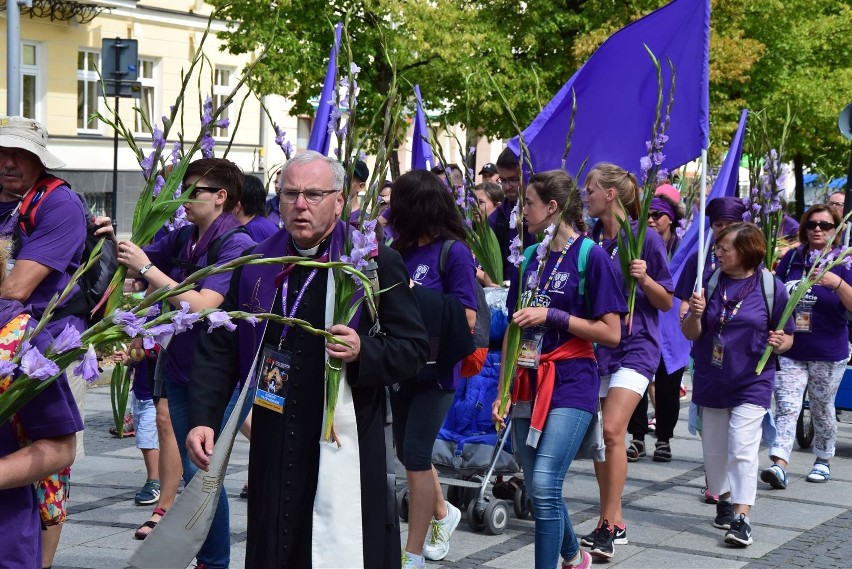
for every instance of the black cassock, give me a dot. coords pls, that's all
(284, 456)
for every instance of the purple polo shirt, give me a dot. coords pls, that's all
(56, 242)
(52, 413)
(260, 228)
(828, 339)
(640, 350)
(459, 279)
(744, 337)
(577, 380)
(181, 351)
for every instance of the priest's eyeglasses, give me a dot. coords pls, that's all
(313, 197)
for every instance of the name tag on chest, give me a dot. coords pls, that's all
(273, 379)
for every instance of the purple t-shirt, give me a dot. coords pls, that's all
(577, 380)
(274, 215)
(181, 351)
(459, 280)
(639, 350)
(744, 338)
(828, 339)
(52, 413)
(56, 242)
(260, 228)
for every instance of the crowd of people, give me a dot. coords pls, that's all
(311, 503)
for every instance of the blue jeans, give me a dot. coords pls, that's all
(216, 551)
(544, 473)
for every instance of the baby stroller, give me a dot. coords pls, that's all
(468, 452)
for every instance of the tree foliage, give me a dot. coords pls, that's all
(764, 54)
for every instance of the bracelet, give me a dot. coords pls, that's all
(146, 268)
(840, 284)
(557, 318)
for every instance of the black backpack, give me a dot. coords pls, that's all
(94, 282)
(482, 331)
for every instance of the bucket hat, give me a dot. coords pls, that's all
(30, 135)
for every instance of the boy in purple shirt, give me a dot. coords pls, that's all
(250, 210)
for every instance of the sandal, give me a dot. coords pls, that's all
(150, 524)
(775, 476)
(819, 473)
(662, 452)
(635, 451)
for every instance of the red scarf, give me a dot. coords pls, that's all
(522, 391)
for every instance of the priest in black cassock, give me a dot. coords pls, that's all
(312, 503)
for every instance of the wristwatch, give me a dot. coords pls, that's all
(146, 268)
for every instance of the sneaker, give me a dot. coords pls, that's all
(604, 546)
(708, 497)
(589, 539)
(740, 532)
(584, 563)
(724, 515)
(775, 476)
(620, 536)
(411, 561)
(437, 543)
(682, 391)
(148, 494)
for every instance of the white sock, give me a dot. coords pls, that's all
(417, 559)
(578, 557)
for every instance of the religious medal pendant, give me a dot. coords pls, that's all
(804, 319)
(530, 353)
(273, 379)
(718, 353)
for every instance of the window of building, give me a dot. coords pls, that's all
(88, 62)
(221, 89)
(303, 133)
(147, 95)
(30, 81)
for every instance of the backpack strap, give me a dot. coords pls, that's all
(712, 284)
(528, 254)
(33, 200)
(213, 251)
(767, 285)
(445, 253)
(582, 262)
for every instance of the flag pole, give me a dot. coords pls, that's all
(701, 222)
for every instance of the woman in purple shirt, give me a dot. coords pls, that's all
(218, 187)
(729, 339)
(425, 216)
(626, 370)
(818, 357)
(576, 300)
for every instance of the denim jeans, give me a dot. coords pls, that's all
(544, 472)
(216, 551)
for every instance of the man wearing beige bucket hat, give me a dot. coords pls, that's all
(47, 222)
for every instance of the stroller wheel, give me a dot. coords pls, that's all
(475, 520)
(496, 517)
(402, 504)
(521, 503)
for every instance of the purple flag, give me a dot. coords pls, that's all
(616, 93)
(320, 135)
(674, 345)
(421, 150)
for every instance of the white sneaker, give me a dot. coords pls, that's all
(411, 561)
(437, 543)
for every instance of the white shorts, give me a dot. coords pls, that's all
(626, 378)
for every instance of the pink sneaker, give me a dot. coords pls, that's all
(585, 562)
(709, 498)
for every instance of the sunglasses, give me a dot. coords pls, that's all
(824, 225)
(194, 193)
(656, 215)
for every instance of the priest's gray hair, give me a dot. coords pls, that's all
(338, 174)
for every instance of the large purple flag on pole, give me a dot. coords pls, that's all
(421, 150)
(320, 135)
(616, 92)
(674, 345)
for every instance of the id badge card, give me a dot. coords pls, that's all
(718, 352)
(804, 320)
(530, 353)
(273, 379)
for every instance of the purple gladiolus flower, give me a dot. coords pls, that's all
(37, 366)
(747, 217)
(157, 140)
(354, 69)
(184, 319)
(147, 164)
(515, 255)
(681, 228)
(532, 280)
(156, 335)
(662, 175)
(207, 144)
(223, 123)
(68, 339)
(513, 217)
(543, 247)
(153, 311)
(251, 319)
(88, 368)
(658, 157)
(176, 153)
(7, 368)
(207, 112)
(130, 323)
(158, 186)
(218, 319)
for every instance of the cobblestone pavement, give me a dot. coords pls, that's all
(806, 525)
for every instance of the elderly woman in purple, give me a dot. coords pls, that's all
(626, 370)
(218, 188)
(818, 357)
(729, 339)
(576, 300)
(424, 215)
